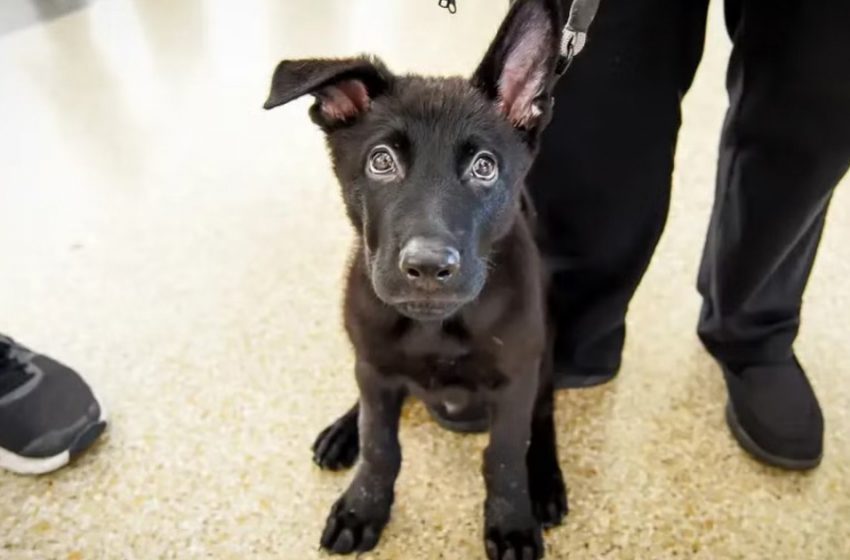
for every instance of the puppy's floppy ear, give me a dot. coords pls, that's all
(344, 88)
(518, 70)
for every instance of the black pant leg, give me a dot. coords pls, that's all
(785, 145)
(601, 183)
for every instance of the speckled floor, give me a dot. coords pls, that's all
(184, 249)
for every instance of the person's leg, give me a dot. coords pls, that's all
(48, 414)
(785, 145)
(601, 183)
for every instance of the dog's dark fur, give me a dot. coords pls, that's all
(472, 334)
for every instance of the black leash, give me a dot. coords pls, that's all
(565, 58)
(574, 33)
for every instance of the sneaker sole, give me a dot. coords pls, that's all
(42, 465)
(751, 447)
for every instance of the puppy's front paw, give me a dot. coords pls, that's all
(338, 445)
(349, 530)
(548, 497)
(514, 543)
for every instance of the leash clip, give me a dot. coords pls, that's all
(572, 42)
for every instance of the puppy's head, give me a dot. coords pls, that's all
(431, 169)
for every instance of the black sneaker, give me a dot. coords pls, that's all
(774, 414)
(48, 414)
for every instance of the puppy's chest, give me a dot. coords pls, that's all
(437, 359)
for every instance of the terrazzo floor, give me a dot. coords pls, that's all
(184, 249)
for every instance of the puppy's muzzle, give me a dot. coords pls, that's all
(428, 265)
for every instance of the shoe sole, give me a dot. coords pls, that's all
(582, 381)
(42, 465)
(751, 447)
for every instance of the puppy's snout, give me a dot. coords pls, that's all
(428, 262)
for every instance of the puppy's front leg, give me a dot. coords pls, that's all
(510, 528)
(545, 480)
(357, 518)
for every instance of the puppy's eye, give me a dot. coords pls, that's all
(484, 167)
(382, 162)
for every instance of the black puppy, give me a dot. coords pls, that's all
(444, 298)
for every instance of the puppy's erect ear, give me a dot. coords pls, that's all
(344, 88)
(518, 70)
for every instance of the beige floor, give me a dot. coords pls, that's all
(184, 249)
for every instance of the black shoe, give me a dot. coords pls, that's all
(571, 377)
(48, 414)
(473, 419)
(774, 414)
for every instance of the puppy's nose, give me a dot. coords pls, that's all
(428, 261)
